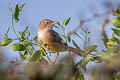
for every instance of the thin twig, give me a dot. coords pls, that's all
(14, 28)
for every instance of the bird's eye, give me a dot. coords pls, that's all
(47, 22)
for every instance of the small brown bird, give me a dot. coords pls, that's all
(54, 43)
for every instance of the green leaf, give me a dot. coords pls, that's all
(26, 53)
(75, 44)
(78, 35)
(63, 29)
(105, 40)
(88, 39)
(59, 24)
(63, 23)
(113, 49)
(22, 36)
(67, 21)
(57, 27)
(26, 29)
(116, 22)
(97, 58)
(16, 13)
(117, 76)
(83, 29)
(116, 31)
(113, 37)
(110, 43)
(5, 42)
(90, 49)
(117, 13)
(36, 56)
(84, 62)
(29, 33)
(43, 53)
(21, 7)
(22, 56)
(17, 47)
(117, 40)
(31, 51)
(69, 39)
(35, 39)
(8, 30)
(79, 75)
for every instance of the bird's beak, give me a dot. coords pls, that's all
(55, 22)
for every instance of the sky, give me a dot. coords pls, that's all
(58, 10)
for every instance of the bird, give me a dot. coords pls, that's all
(52, 41)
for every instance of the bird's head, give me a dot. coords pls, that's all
(47, 24)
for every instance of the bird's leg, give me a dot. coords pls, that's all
(57, 54)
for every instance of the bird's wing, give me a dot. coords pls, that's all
(57, 38)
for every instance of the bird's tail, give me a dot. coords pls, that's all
(76, 51)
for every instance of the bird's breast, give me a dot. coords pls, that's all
(44, 36)
(41, 35)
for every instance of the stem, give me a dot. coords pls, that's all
(64, 33)
(65, 36)
(86, 36)
(14, 28)
(33, 47)
(47, 56)
(34, 44)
